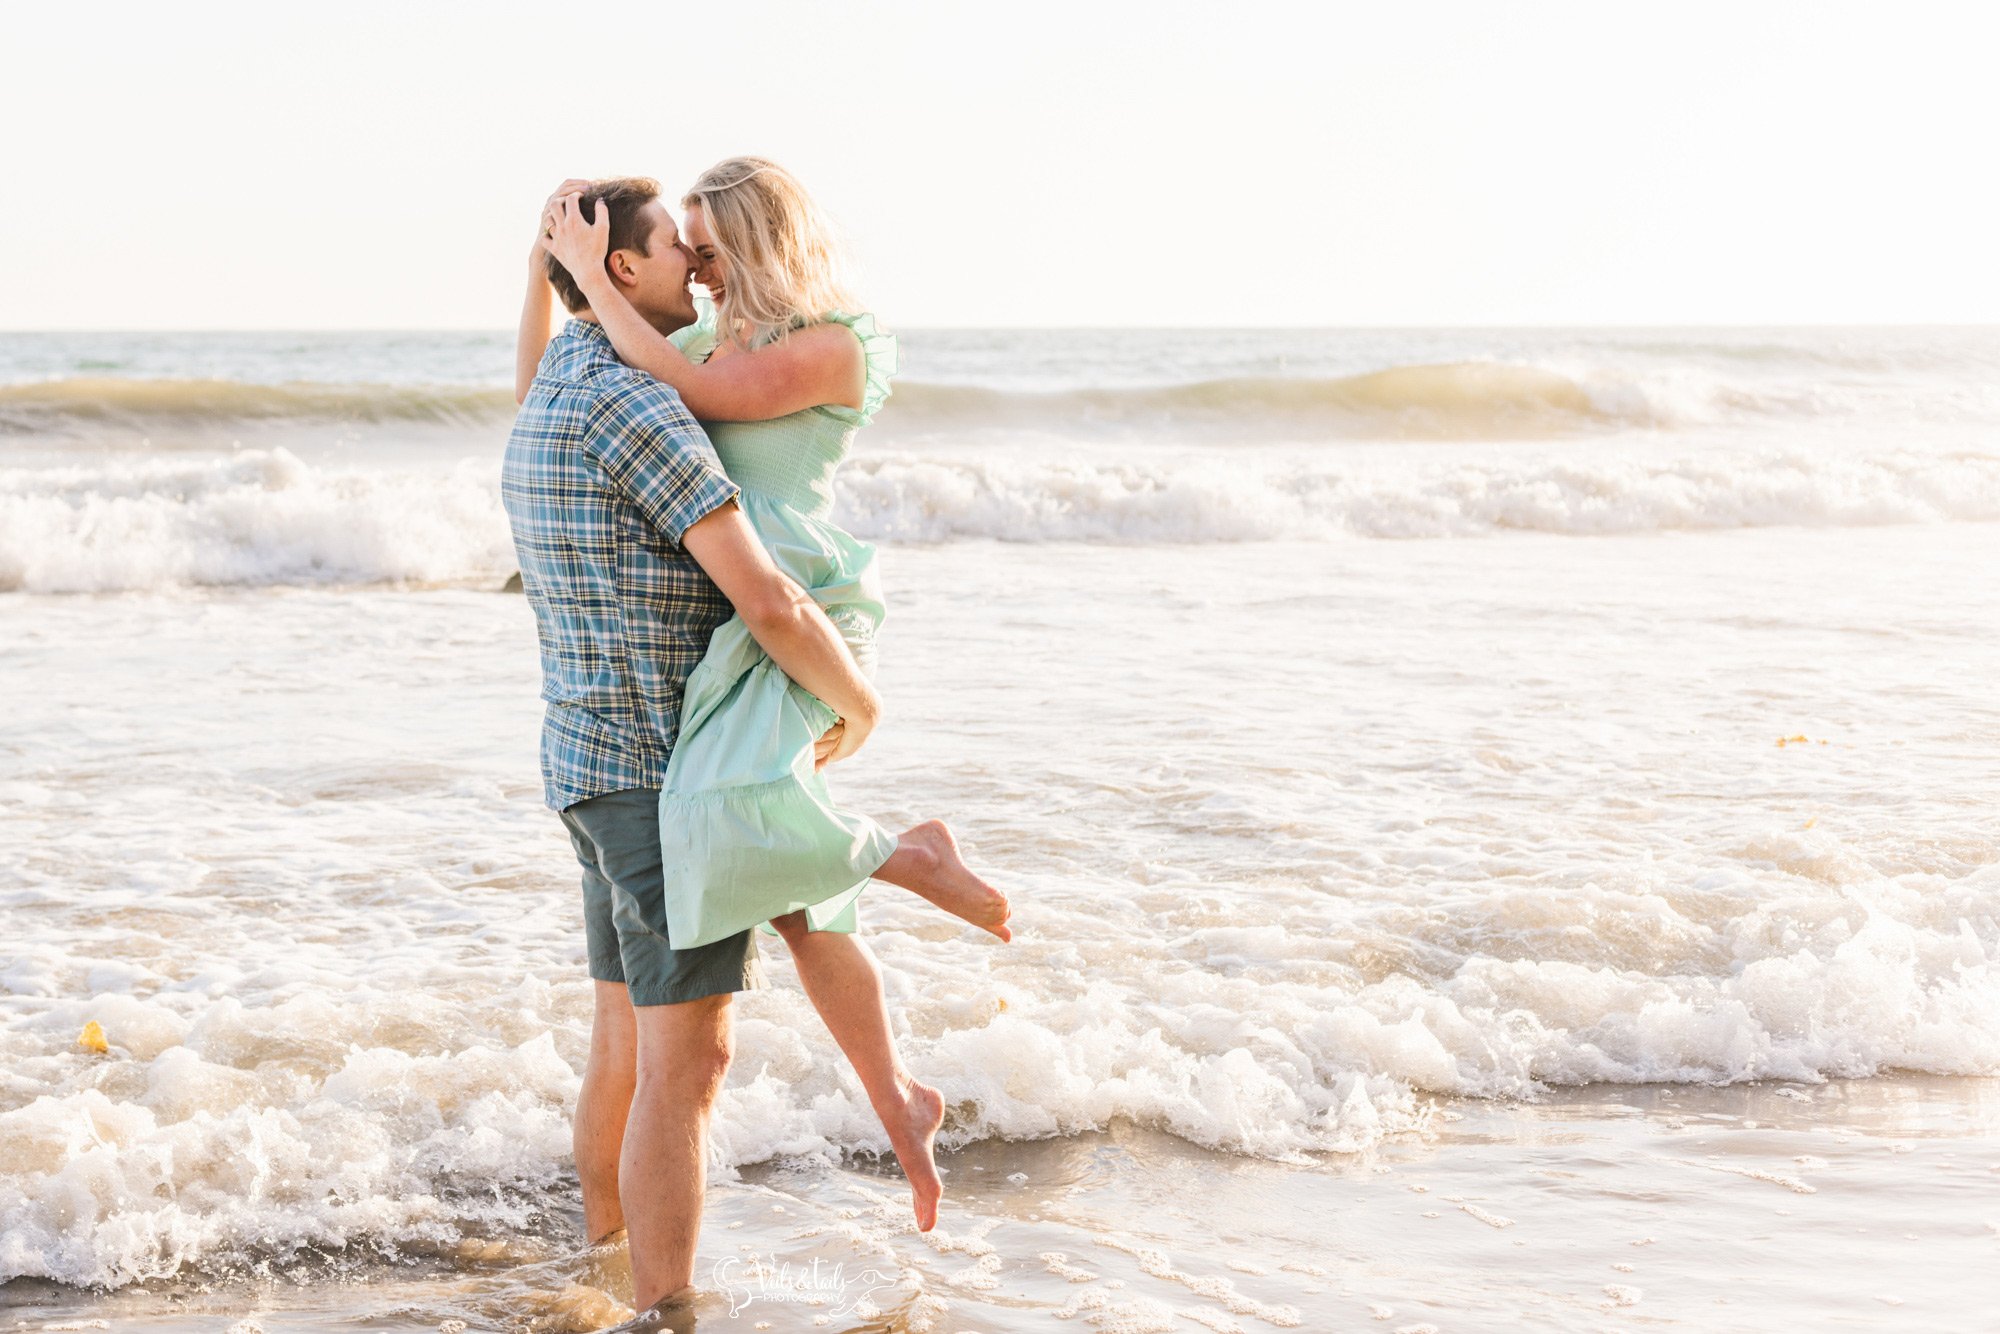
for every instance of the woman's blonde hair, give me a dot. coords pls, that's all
(784, 261)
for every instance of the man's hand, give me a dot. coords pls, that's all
(786, 623)
(828, 743)
(846, 736)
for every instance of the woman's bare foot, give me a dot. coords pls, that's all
(926, 861)
(912, 1125)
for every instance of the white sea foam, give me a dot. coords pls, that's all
(330, 935)
(1216, 498)
(258, 517)
(264, 517)
(217, 1133)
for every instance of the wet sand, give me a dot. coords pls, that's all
(1863, 1204)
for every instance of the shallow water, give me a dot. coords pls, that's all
(1765, 1207)
(1657, 750)
(1304, 839)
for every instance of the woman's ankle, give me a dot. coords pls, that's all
(897, 1096)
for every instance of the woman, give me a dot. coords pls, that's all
(782, 376)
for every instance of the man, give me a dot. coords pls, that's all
(632, 552)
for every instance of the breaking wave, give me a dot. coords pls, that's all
(89, 405)
(1472, 400)
(267, 518)
(254, 518)
(1463, 401)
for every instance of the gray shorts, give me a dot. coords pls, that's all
(617, 841)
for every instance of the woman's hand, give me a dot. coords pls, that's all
(579, 246)
(545, 220)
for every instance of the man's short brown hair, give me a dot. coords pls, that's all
(631, 228)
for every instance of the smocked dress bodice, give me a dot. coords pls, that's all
(791, 460)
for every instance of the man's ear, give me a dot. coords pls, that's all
(619, 265)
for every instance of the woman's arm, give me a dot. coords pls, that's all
(810, 367)
(532, 337)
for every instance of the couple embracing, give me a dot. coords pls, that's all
(706, 645)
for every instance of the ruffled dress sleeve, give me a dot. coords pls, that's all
(878, 347)
(697, 340)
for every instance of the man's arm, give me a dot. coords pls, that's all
(656, 454)
(786, 623)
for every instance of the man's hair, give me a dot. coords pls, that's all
(631, 228)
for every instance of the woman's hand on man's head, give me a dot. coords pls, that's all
(545, 220)
(579, 246)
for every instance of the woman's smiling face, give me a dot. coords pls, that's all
(711, 270)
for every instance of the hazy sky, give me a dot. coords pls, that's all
(380, 165)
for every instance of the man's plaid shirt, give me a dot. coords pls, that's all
(604, 472)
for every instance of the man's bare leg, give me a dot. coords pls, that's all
(927, 861)
(601, 1108)
(845, 986)
(683, 1054)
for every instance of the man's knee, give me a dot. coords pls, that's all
(692, 1072)
(685, 1049)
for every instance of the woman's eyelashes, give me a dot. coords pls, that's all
(707, 272)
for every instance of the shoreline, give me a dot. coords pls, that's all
(1598, 1207)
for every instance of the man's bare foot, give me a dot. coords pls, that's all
(927, 862)
(674, 1311)
(912, 1126)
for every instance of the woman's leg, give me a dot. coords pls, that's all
(927, 862)
(845, 986)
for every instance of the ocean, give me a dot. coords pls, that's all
(1504, 828)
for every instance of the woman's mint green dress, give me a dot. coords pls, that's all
(748, 830)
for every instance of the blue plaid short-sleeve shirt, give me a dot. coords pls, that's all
(604, 472)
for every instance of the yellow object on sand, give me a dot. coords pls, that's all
(92, 1038)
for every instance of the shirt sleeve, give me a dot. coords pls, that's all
(658, 457)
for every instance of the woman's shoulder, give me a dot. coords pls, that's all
(879, 355)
